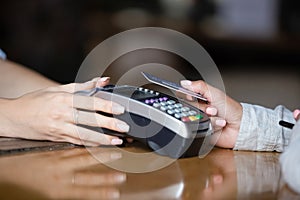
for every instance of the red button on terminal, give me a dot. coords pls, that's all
(185, 119)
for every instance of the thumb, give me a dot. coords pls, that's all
(199, 87)
(95, 82)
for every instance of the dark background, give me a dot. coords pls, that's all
(54, 36)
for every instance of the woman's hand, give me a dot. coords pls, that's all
(225, 113)
(52, 114)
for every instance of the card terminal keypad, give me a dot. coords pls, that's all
(171, 106)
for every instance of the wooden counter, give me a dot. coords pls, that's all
(77, 173)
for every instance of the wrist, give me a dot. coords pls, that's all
(7, 120)
(234, 114)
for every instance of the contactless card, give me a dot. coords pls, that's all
(172, 86)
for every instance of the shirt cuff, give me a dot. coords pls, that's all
(260, 131)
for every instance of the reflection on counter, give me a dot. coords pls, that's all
(76, 174)
(58, 175)
(245, 175)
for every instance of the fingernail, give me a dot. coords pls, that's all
(112, 194)
(120, 178)
(220, 122)
(190, 98)
(104, 79)
(296, 114)
(217, 179)
(211, 111)
(117, 109)
(123, 127)
(186, 83)
(116, 141)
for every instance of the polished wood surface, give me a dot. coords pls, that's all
(77, 173)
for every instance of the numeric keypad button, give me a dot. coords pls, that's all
(156, 105)
(163, 108)
(178, 105)
(171, 102)
(170, 112)
(177, 115)
(163, 103)
(192, 112)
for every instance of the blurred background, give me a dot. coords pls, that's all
(255, 44)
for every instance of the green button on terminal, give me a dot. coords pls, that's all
(199, 116)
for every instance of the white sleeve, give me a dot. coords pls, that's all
(260, 129)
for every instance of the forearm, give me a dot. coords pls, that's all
(17, 80)
(260, 131)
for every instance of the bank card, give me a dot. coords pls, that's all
(172, 86)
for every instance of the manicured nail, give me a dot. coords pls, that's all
(186, 83)
(217, 179)
(221, 122)
(116, 141)
(112, 194)
(211, 111)
(190, 98)
(104, 79)
(117, 109)
(123, 127)
(297, 114)
(120, 178)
